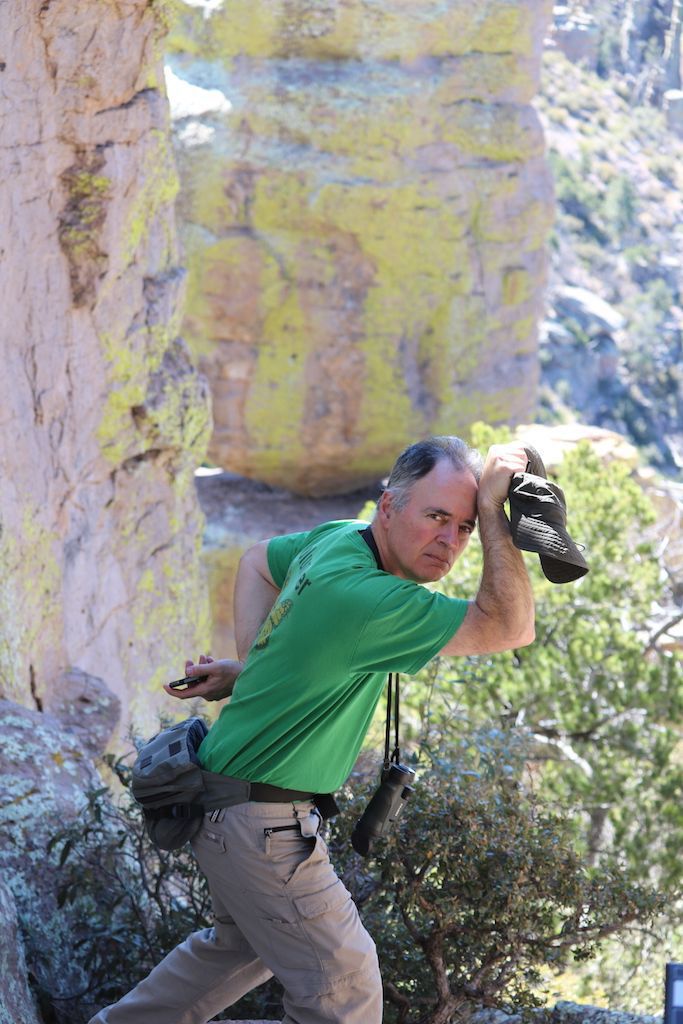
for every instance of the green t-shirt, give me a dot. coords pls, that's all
(304, 701)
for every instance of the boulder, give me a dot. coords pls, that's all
(104, 416)
(563, 1013)
(17, 1004)
(86, 707)
(554, 442)
(45, 780)
(590, 311)
(365, 203)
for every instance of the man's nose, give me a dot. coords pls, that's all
(448, 534)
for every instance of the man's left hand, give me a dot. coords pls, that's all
(215, 679)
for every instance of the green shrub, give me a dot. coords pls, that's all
(576, 194)
(129, 902)
(480, 889)
(620, 206)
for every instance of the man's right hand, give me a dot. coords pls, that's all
(502, 462)
(501, 618)
(215, 679)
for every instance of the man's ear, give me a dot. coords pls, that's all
(384, 507)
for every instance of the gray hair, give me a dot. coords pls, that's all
(419, 459)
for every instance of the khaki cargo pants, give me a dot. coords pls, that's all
(279, 910)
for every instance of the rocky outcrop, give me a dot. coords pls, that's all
(365, 206)
(585, 352)
(612, 348)
(103, 415)
(577, 34)
(564, 1013)
(45, 779)
(17, 1005)
(575, 1013)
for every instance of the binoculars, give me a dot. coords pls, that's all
(384, 808)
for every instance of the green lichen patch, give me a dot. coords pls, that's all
(157, 189)
(127, 370)
(498, 132)
(175, 414)
(336, 31)
(29, 602)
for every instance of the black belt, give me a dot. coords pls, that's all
(263, 792)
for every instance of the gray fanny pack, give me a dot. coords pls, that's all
(172, 788)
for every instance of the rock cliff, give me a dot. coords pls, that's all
(365, 206)
(103, 415)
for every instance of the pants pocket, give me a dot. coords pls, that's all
(330, 920)
(209, 840)
(316, 938)
(286, 851)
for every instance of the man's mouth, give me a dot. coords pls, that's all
(444, 563)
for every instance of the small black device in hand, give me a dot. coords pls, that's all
(184, 683)
(384, 807)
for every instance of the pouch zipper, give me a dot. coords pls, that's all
(277, 828)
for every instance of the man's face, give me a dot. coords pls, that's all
(423, 539)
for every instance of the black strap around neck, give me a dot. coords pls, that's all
(395, 755)
(369, 539)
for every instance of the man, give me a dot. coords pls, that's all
(320, 618)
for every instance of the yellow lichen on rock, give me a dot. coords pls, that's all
(30, 614)
(364, 227)
(339, 29)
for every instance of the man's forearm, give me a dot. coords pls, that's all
(255, 595)
(505, 593)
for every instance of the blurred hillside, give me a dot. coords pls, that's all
(611, 107)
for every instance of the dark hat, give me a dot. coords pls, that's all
(538, 517)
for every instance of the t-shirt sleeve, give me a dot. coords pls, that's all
(281, 552)
(406, 629)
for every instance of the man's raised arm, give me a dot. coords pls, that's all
(501, 617)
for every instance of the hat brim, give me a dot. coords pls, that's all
(561, 560)
(535, 464)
